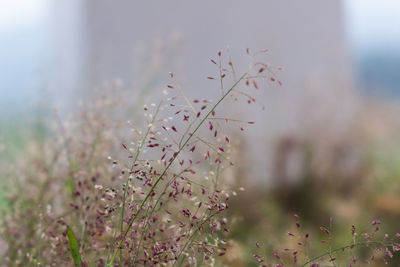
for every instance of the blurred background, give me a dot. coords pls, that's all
(327, 143)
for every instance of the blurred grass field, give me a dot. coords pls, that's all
(17, 131)
(356, 196)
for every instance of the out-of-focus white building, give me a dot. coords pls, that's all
(100, 40)
(306, 37)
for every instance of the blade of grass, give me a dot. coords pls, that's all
(73, 244)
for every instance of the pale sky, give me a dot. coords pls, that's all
(15, 13)
(373, 23)
(369, 22)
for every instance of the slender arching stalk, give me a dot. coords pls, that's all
(146, 228)
(139, 148)
(191, 238)
(169, 165)
(339, 249)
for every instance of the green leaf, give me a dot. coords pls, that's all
(73, 244)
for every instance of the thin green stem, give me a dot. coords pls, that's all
(138, 150)
(146, 229)
(168, 166)
(191, 238)
(339, 249)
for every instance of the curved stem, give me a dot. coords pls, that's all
(341, 248)
(169, 165)
(138, 150)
